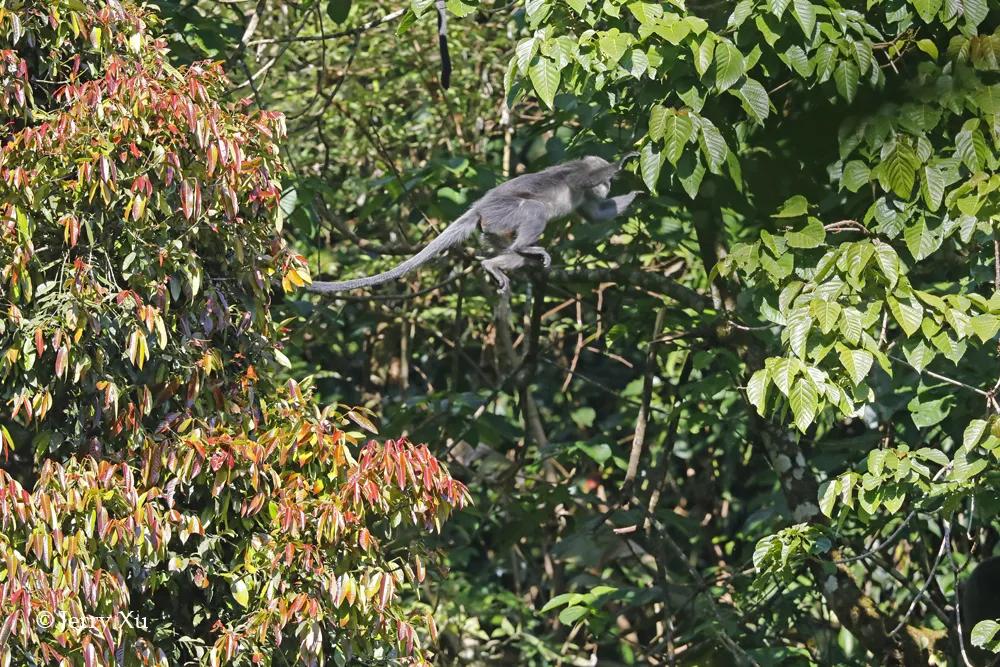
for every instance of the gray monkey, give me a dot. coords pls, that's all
(512, 217)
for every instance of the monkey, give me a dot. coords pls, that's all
(442, 15)
(980, 598)
(512, 217)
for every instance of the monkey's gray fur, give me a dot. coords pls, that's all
(512, 217)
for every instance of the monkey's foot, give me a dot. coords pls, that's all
(538, 251)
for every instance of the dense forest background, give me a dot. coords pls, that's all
(754, 422)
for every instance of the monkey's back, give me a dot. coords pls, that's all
(505, 207)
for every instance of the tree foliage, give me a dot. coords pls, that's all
(165, 499)
(754, 423)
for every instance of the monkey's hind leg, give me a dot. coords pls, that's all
(495, 266)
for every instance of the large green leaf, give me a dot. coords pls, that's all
(927, 9)
(920, 241)
(755, 100)
(857, 363)
(658, 116)
(898, 171)
(713, 146)
(729, 65)
(545, 77)
(847, 76)
(805, 14)
(909, 314)
(803, 400)
(811, 236)
(338, 10)
(677, 131)
(650, 165)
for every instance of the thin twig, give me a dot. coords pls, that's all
(335, 35)
(923, 591)
(943, 378)
(639, 437)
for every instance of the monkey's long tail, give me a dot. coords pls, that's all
(453, 234)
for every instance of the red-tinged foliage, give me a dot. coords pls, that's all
(163, 499)
(139, 226)
(297, 563)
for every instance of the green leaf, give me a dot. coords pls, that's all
(826, 60)
(855, 176)
(975, 11)
(545, 77)
(420, 6)
(777, 7)
(690, 172)
(757, 390)
(918, 354)
(846, 78)
(729, 66)
(927, 9)
(650, 165)
(677, 132)
(852, 327)
(935, 455)
(713, 145)
(876, 462)
(930, 413)
(798, 331)
(964, 470)
(783, 372)
(893, 499)
(646, 13)
(755, 100)
(702, 54)
(803, 401)
(571, 615)
(240, 592)
(932, 187)
(658, 115)
(280, 357)
(805, 14)
(828, 496)
(974, 432)
(985, 326)
(984, 633)
(797, 59)
(965, 149)
(524, 52)
(613, 44)
(827, 313)
(888, 262)
(857, 363)
(671, 28)
(928, 47)
(898, 172)
(793, 207)
(338, 10)
(811, 236)
(909, 315)
(920, 241)
(557, 601)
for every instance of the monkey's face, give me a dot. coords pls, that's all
(600, 191)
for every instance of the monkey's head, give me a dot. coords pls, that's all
(602, 169)
(602, 172)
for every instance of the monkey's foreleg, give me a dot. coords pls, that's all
(610, 208)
